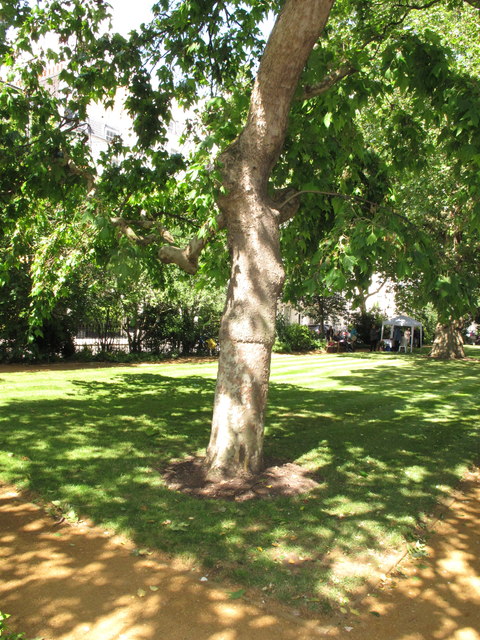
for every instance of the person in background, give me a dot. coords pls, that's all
(212, 345)
(353, 337)
(374, 337)
(408, 336)
(397, 336)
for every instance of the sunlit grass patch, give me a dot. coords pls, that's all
(383, 435)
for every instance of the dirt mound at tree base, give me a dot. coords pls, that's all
(277, 479)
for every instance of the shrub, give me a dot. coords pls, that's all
(4, 631)
(294, 337)
(280, 347)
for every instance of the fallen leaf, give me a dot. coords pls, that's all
(153, 588)
(234, 595)
(179, 526)
(141, 593)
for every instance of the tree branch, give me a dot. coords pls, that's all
(187, 257)
(328, 82)
(299, 24)
(331, 194)
(417, 7)
(343, 196)
(84, 172)
(373, 293)
(286, 202)
(125, 228)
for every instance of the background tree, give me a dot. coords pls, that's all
(323, 309)
(424, 173)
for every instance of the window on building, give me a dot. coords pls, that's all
(111, 133)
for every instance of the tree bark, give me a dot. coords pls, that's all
(362, 300)
(321, 307)
(247, 332)
(252, 221)
(448, 342)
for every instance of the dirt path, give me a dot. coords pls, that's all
(62, 582)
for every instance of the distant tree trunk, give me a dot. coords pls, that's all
(134, 334)
(253, 221)
(361, 300)
(321, 313)
(448, 343)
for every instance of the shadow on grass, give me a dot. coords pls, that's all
(383, 443)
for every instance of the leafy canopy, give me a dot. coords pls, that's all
(386, 89)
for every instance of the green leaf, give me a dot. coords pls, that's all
(235, 595)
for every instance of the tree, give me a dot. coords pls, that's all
(323, 308)
(427, 186)
(321, 66)
(448, 343)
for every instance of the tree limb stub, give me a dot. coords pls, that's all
(187, 257)
(181, 257)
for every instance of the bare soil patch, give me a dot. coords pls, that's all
(277, 479)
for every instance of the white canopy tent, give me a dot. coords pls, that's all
(406, 323)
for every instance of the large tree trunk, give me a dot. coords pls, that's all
(448, 343)
(252, 220)
(247, 333)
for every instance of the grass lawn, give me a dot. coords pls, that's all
(385, 435)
